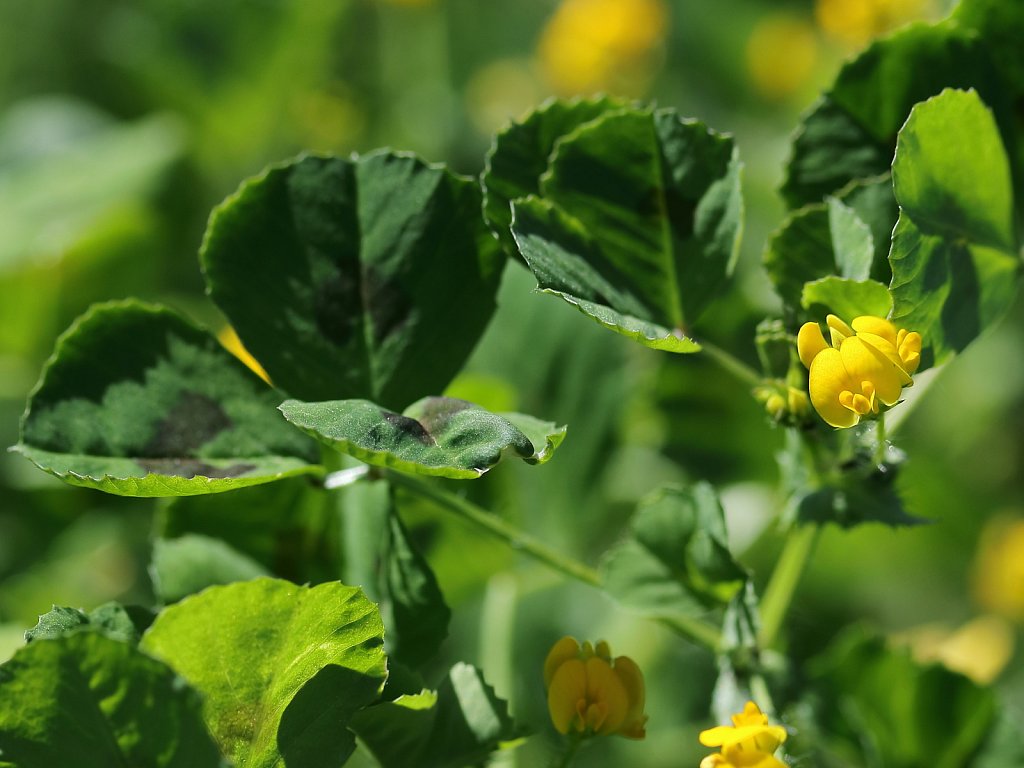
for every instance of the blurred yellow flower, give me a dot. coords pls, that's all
(589, 693)
(782, 55)
(593, 45)
(855, 22)
(785, 404)
(865, 365)
(230, 341)
(999, 568)
(748, 743)
(980, 649)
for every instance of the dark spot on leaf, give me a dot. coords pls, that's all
(410, 427)
(334, 300)
(435, 412)
(193, 421)
(189, 468)
(386, 302)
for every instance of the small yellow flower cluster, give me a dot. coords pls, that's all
(593, 45)
(785, 404)
(748, 743)
(589, 693)
(867, 364)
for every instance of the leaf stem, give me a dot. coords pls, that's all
(781, 587)
(573, 746)
(696, 630)
(732, 364)
(880, 446)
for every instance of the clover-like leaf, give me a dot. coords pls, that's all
(120, 622)
(850, 133)
(847, 298)
(281, 668)
(137, 401)
(955, 260)
(89, 701)
(460, 724)
(637, 223)
(371, 277)
(440, 436)
(676, 560)
(520, 153)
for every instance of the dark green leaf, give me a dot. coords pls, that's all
(875, 205)
(88, 701)
(191, 563)
(288, 527)
(520, 155)
(459, 725)
(875, 705)
(119, 622)
(281, 668)
(434, 436)
(137, 401)
(851, 132)
(365, 278)
(954, 251)
(414, 610)
(637, 224)
(677, 560)
(1001, 26)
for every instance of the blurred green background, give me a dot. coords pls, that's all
(122, 124)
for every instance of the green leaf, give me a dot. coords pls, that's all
(186, 565)
(414, 609)
(851, 132)
(137, 401)
(459, 725)
(1001, 26)
(676, 560)
(119, 622)
(847, 298)
(822, 241)
(89, 701)
(875, 705)
(954, 251)
(439, 436)
(520, 154)
(379, 271)
(281, 668)
(638, 223)
(289, 527)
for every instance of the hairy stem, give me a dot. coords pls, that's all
(781, 587)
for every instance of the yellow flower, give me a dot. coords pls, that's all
(748, 743)
(999, 568)
(590, 693)
(855, 22)
(865, 366)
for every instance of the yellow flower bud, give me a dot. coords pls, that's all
(592, 694)
(748, 743)
(867, 365)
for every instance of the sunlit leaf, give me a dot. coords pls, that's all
(434, 436)
(119, 622)
(954, 257)
(281, 668)
(370, 277)
(137, 401)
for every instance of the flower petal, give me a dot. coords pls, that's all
(866, 362)
(828, 379)
(809, 342)
(604, 687)
(567, 690)
(632, 680)
(876, 326)
(565, 649)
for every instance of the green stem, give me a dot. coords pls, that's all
(571, 749)
(696, 630)
(880, 446)
(732, 364)
(782, 585)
